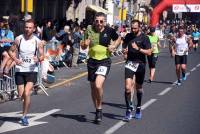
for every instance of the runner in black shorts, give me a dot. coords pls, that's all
(24, 52)
(137, 46)
(99, 37)
(180, 51)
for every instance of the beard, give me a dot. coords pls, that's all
(135, 32)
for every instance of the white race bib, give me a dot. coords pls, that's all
(27, 61)
(102, 70)
(132, 66)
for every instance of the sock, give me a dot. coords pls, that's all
(139, 100)
(183, 73)
(98, 110)
(128, 101)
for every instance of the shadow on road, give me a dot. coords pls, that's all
(122, 106)
(162, 82)
(111, 116)
(79, 118)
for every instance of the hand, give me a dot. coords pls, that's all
(111, 48)
(173, 54)
(125, 50)
(43, 42)
(134, 45)
(35, 59)
(18, 62)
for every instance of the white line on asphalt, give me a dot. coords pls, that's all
(121, 123)
(148, 103)
(193, 69)
(165, 91)
(198, 65)
(187, 74)
(115, 127)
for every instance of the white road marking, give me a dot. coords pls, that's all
(193, 69)
(198, 65)
(8, 126)
(121, 123)
(165, 91)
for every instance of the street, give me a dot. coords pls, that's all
(167, 108)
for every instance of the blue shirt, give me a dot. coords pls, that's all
(5, 33)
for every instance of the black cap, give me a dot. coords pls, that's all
(152, 29)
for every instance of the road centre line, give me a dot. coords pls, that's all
(165, 91)
(193, 69)
(121, 123)
(198, 65)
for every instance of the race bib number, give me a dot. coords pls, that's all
(132, 66)
(180, 50)
(102, 70)
(27, 61)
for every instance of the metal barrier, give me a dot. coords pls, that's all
(39, 84)
(8, 88)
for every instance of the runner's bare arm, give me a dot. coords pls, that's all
(41, 50)
(114, 45)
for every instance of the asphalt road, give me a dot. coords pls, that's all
(167, 108)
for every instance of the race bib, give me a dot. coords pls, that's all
(196, 38)
(132, 66)
(27, 61)
(102, 70)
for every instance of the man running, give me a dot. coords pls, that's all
(180, 51)
(25, 54)
(154, 39)
(137, 46)
(195, 36)
(99, 37)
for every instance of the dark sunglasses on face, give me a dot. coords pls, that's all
(134, 28)
(99, 21)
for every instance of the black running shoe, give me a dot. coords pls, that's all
(98, 116)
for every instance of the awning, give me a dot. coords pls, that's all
(98, 9)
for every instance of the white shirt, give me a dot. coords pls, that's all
(27, 49)
(181, 45)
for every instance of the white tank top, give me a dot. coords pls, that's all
(181, 46)
(27, 49)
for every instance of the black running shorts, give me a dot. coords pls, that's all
(22, 78)
(98, 67)
(180, 59)
(152, 60)
(139, 74)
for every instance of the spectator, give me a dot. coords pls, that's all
(6, 39)
(76, 37)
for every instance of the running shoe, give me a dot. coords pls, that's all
(98, 117)
(138, 115)
(24, 121)
(178, 83)
(184, 78)
(128, 116)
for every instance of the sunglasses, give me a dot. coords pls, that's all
(99, 21)
(134, 28)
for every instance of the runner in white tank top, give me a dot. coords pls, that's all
(180, 51)
(27, 50)
(24, 53)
